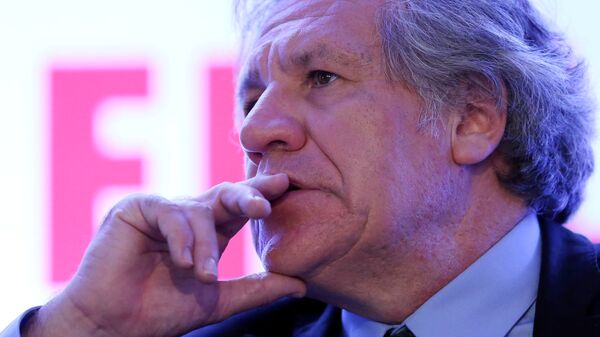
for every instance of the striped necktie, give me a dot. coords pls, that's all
(402, 331)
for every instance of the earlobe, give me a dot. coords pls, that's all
(477, 129)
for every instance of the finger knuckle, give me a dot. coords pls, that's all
(125, 209)
(161, 208)
(151, 201)
(195, 209)
(225, 185)
(204, 209)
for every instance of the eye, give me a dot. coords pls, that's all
(248, 106)
(321, 78)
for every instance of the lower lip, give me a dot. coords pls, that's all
(289, 196)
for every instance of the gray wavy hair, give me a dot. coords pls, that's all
(435, 46)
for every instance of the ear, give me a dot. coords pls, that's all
(477, 125)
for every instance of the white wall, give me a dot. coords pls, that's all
(177, 39)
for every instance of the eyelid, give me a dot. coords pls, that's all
(249, 99)
(311, 76)
(249, 105)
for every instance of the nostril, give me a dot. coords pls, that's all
(254, 157)
(276, 144)
(292, 187)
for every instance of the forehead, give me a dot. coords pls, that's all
(297, 31)
(305, 15)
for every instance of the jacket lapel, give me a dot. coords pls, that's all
(568, 302)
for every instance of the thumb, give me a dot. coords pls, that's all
(256, 290)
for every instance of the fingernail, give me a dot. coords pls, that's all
(283, 175)
(257, 197)
(264, 202)
(210, 267)
(187, 255)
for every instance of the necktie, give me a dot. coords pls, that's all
(402, 331)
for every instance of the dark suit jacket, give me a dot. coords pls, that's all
(568, 302)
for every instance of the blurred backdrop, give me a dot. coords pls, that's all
(101, 99)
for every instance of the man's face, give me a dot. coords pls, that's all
(365, 181)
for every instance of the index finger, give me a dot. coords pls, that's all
(247, 199)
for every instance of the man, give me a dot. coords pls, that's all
(409, 165)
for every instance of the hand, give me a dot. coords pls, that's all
(152, 268)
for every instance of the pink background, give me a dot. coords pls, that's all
(100, 100)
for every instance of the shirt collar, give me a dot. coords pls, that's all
(486, 299)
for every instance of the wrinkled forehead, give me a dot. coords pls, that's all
(297, 29)
(306, 16)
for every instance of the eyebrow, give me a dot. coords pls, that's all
(323, 51)
(251, 79)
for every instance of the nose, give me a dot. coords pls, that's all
(273, 124)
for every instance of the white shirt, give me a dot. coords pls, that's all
(494, 297)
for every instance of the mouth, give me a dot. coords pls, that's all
(292, 187)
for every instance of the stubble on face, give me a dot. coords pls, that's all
(381, 184)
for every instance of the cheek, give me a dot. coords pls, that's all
(300, 239)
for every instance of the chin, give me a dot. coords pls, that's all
(305, 233)
(289, 258)
(304, 252)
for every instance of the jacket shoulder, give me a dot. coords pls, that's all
(569, 290)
